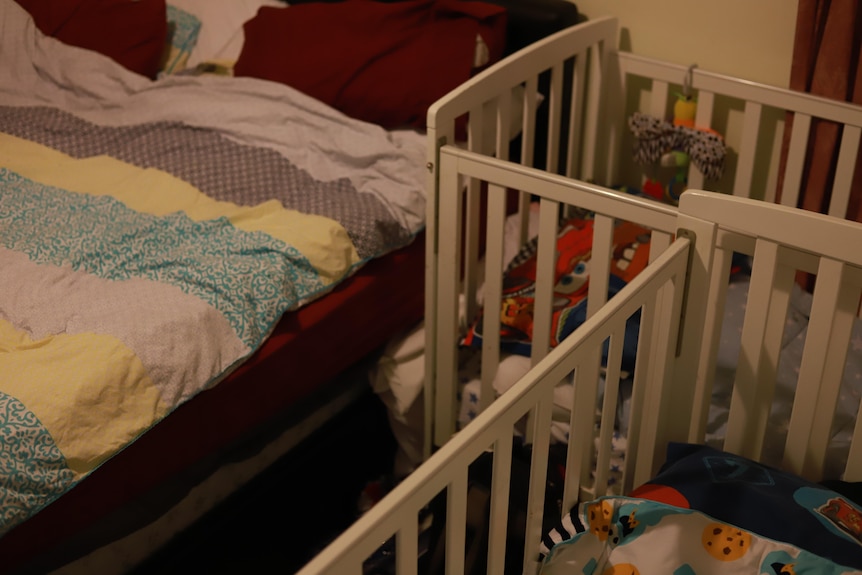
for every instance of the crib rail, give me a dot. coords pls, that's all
(828, 248)
(447, 469)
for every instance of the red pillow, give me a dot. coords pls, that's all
(132, 33)
(381, 62)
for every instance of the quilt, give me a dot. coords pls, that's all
(152, 233)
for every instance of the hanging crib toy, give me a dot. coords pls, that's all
(676, 145)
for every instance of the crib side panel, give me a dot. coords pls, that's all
(748, 121)
(558, 80)
(443, 483)
(781, 242)
(592, 238)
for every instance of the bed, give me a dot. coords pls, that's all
(205, 255)
(679, 298)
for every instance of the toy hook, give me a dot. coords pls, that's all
(687, 81)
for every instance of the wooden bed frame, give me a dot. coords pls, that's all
(681, 294)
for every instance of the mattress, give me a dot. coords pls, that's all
(182, 260)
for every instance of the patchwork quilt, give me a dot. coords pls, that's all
(151, 236)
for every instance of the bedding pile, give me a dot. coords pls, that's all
(152, 233)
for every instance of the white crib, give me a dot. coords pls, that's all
(680, 296)
(607, 86)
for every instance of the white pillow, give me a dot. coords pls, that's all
(221, 34)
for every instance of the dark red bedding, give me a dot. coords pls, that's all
(381, 62)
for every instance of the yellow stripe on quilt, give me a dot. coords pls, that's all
(90, 412)
(323, 241)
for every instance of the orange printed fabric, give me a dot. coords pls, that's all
(571, 278)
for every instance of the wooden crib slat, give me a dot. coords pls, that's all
(407, 549)
(503, 123)
(760, 342)
(493, 293)
(546, 252)
(528, 123)
(555, 114)
(475, 142)
(646, 329)
(549, 215)
(821, 370)
(524, 217)
(456, 522)
(659, 242)
(703, 119)
(655, 432)
(745, 165)
(658, 99)
(767, 373)
(576, 112)
(705, 107)
(539, 425)
(442, 393)
(609, 405)
(600, 263)
(471, 259)
(476, 131)
(596, 60)
(582, 415)
(498, 520)
(795, 159)
(704, 380)
(744, 396)
(844, 172)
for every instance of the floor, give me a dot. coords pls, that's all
(290, 512)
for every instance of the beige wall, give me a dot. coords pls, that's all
(744, 38)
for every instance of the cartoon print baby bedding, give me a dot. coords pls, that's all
(708, 511)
